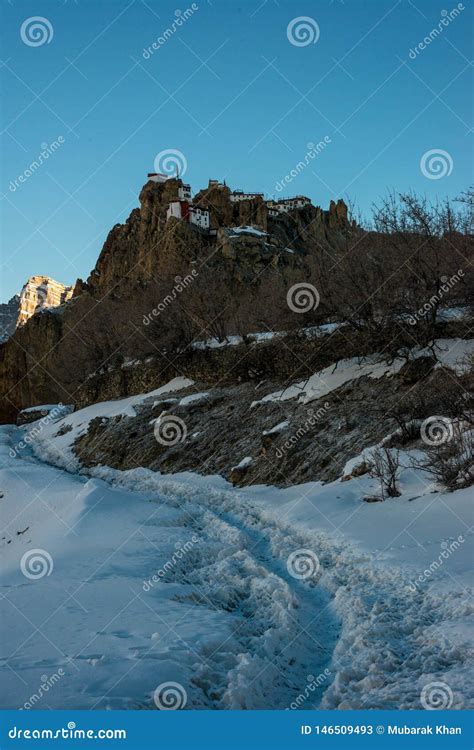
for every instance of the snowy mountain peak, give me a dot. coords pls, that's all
(41, 292)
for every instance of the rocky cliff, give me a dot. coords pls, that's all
(8, 317)
(39, 293)
(101, 325)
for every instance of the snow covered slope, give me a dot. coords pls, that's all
(450, 352)
(106, 594)
(303, 597)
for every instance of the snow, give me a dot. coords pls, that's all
(395, 634)
(58, 448)
(46, 408)
(41, 407)
(332, 377)
(277, 428)
(130, 363)
(262, 336)
(405, 621)
(184, 578)
(145, 586)
(379, 633)
(193, 398)
(113, 655)
(248, 230)
(325, 328)
(32, 511)
(165, 401)
(216, 344)
(450, 353)
(244, 463)
(265, 335)
(236, 340)
(452, 313)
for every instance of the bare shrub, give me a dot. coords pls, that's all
(385, 466)
(451, 463)
(442, 392)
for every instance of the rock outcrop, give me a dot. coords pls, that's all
(38, 293)
(224, 213)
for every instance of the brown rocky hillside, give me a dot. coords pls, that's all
(52, 355)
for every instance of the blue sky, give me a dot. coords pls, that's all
(232, 93)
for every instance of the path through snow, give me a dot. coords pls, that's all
(184, 579)
(146, 587)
